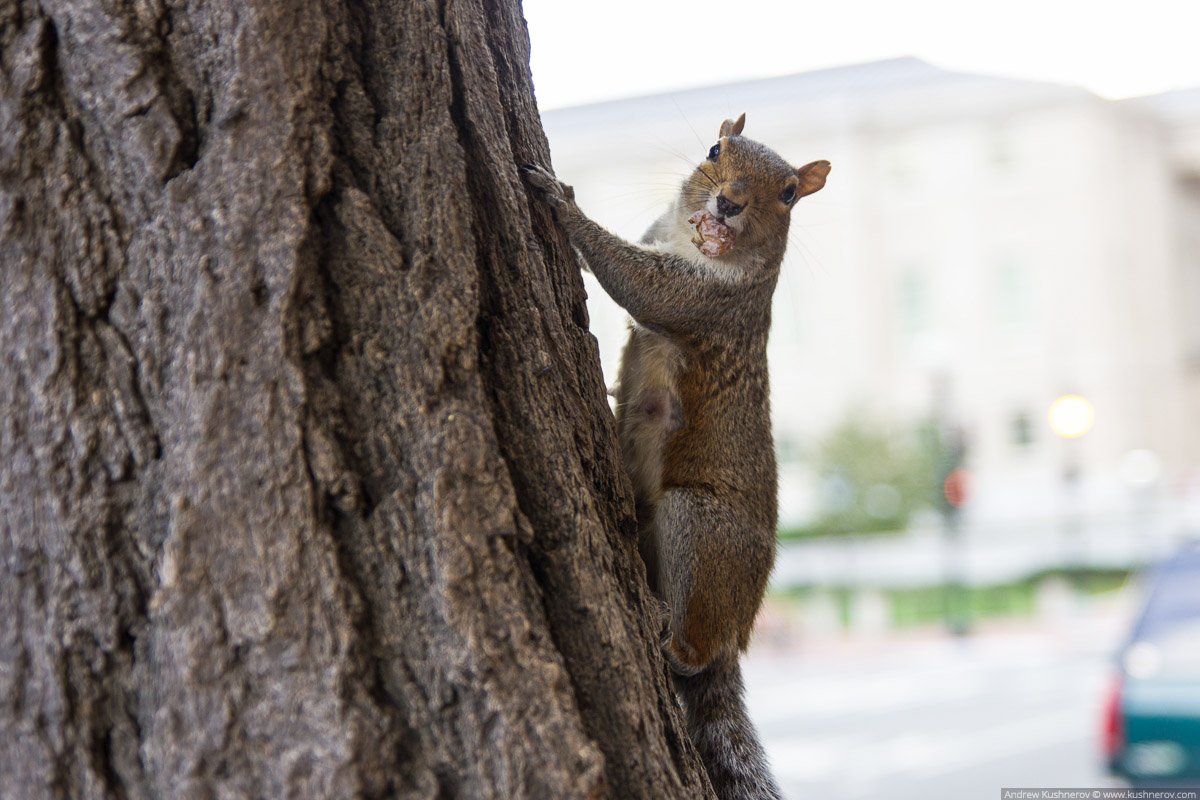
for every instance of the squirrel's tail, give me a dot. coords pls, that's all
(722, 732)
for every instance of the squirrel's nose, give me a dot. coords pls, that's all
(727, 208)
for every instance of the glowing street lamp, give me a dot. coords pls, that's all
(1071, 416)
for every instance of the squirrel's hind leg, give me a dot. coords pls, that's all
(688, 524)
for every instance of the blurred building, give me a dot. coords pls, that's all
(983, 246)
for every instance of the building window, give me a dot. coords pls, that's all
(1014, 294)
(1022, 429)
(1000, 150)
(899, 160)
(914, 303)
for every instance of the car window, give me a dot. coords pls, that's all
(1174, 599)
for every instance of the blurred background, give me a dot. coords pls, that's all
(985, 354)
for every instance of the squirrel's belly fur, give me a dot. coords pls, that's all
(648, 407)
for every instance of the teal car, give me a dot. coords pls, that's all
(1152, 719)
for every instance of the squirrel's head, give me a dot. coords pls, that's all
(749, 188)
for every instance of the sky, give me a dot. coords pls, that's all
(588, 51)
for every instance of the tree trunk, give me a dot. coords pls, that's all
(308, 483)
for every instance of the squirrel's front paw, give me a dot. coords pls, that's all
(557, 194)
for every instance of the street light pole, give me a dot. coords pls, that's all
(1071, 417)
(951, 487)
(936, 352)
(952, 484)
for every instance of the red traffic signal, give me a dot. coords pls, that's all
(954, 488)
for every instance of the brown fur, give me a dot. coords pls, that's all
(694, 420)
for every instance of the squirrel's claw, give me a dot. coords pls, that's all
(556, 193)
(670, 644)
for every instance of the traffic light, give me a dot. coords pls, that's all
(954, 487)
(951, 478)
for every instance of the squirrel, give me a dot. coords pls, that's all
(694, 422)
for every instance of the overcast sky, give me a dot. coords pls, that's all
(585, 50)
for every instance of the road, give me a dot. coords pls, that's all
(934, 717)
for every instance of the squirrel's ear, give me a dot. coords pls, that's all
(812, 177)
(731, 128)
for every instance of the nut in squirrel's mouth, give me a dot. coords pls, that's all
(712, 237)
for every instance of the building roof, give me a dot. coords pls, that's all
(892, 92)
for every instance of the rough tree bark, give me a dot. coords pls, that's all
(308, 483)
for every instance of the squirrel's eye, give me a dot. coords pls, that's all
(714, 151)
(787, 195)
